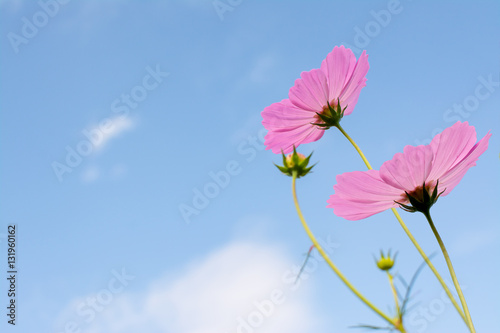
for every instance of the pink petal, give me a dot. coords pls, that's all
(285, 139)
(346, 77)
(310, 92)
(285, 115)
(360, 194)
(452, 177)
(289, 121)
(450, 147)
(338, 66)
(350, 102)
(354, 211)
(350, 94)
(288, 125)
(409, 169)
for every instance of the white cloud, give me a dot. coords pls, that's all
(234, 289)
(100, 135)
(115, 127)
(93, 173)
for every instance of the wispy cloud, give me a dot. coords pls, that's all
(100, 136)
(238, 288)
(114, 128)
(93, 172)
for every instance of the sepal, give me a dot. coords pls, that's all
(331, 117)
(295, 162)
(420, 199)
(385, 263)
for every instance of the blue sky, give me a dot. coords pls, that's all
(116, 114)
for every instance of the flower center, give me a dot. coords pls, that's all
(418, 192)
(420, 198)
(329, 116)
(327, 110)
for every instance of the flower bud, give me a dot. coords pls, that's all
(385, 263)
(295, 162)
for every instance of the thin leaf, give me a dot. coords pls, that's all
(412, 282)
(305, 263)
(371, 327)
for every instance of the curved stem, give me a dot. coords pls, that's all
(355, 147)
(328, 260)
(399, 322)
(452, 271)
(431, 266)
(394, 293)
(409, 234)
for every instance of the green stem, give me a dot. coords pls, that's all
(452, 271)
(355, 147)
(394, 293)
(431, 266)
(399, 317)
(328, 260)
(409, 234)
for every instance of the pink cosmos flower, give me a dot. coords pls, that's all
(316, 102)
(410, 176)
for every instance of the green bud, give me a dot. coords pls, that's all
(295, 162)
(385, 263)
